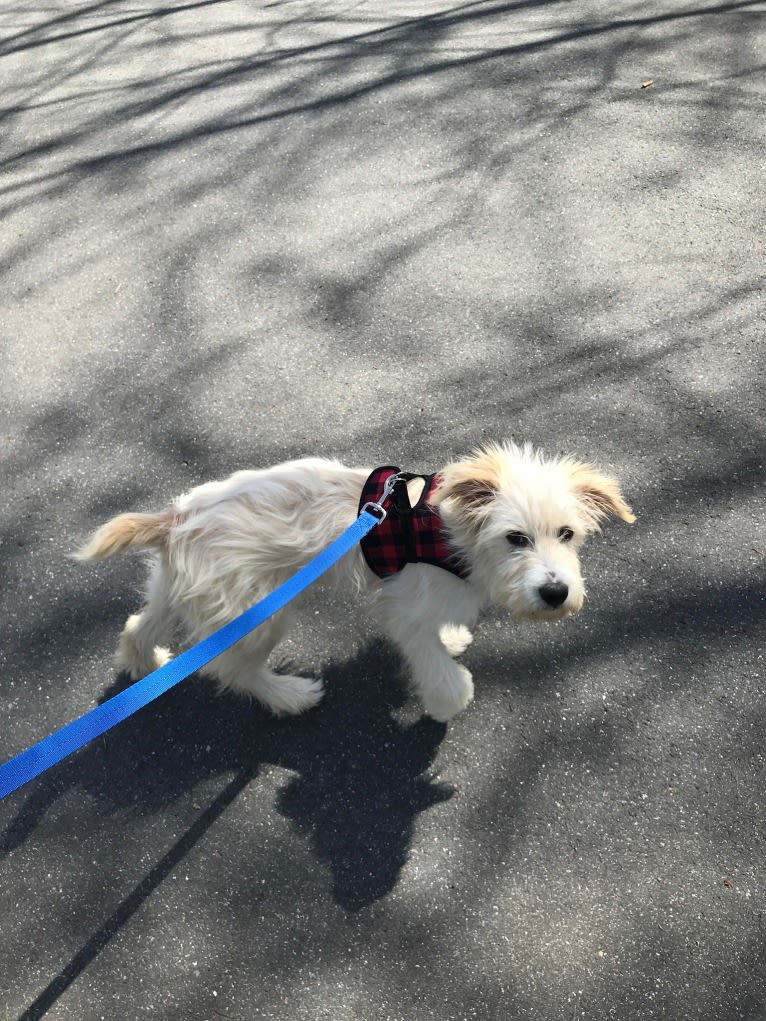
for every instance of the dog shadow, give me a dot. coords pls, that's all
(361, 775)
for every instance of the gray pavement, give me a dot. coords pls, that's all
(233, 232)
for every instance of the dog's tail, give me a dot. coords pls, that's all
(148, 531)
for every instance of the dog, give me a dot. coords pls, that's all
(502, 526)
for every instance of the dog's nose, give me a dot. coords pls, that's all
(553, 593)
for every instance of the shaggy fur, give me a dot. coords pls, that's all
(517, 520)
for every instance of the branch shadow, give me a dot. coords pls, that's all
(361, 778)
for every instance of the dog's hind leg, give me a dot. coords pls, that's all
(138, 650)
(243, 669)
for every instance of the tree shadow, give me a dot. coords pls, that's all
(258, 113)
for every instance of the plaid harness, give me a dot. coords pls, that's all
(408, 535)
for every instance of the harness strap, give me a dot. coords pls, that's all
(400, 501)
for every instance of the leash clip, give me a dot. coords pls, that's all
(376, 508)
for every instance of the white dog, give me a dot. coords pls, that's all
(502, 526)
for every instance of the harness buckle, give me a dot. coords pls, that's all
(375, 509)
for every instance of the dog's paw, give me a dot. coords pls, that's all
(140, 668)
(286, 695)
(451, 695)
(133, 656)
(455, 638)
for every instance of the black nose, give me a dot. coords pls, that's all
(553, 593)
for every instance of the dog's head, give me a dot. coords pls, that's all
(520, 520)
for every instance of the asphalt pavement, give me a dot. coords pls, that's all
(233, 232)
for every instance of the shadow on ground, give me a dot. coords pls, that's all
(361, 777)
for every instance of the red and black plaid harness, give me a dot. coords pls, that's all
(407, 535)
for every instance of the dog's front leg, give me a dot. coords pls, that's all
(445, 687)
(455, 638)
(417, 607)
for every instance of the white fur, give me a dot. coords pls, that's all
(225, 545)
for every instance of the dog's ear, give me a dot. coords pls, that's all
(599, 494)
(473, 494)
(472, 483)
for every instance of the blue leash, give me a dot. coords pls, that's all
(57, 746)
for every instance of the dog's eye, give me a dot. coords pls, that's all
(518, 540)
(566, 534)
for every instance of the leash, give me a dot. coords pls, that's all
(57, 746)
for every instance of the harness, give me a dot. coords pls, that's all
(408, 535)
